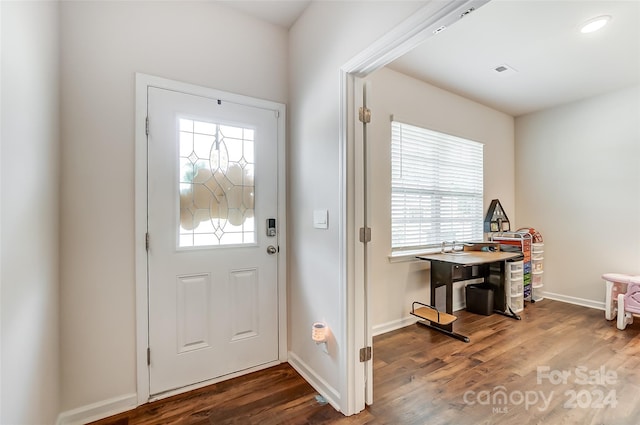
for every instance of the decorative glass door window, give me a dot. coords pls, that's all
(217, 189)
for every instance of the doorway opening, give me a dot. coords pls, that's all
(426, 23)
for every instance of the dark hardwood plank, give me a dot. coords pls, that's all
(421, 377)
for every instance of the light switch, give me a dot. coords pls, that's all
(321, 219)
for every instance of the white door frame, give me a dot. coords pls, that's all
(400, 40)
(144, 81)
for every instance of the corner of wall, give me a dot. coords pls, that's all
(316, 381)
(97, 411)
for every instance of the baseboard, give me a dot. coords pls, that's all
(393, 325)
(99, 410)
(327, 391)
(462, 305)
(459, 303)
(599, 305)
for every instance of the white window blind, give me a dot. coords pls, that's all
(436, 188)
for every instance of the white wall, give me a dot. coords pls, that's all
(104, 43)
(396, 285)
(327, 36)
(578, 183)
(29, 226)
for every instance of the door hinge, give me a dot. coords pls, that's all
(365, 234)
(277, 113)
(146, 242)
(148, 356)
(146, 125)
(364, 115)
(365, 354)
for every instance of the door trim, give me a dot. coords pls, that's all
(143, 81)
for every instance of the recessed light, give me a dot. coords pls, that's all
(594, 24)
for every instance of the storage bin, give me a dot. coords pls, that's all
(537, 255)
(536, 280)
(516, 266)
(536, 265)
(516, 275)
(516, 304)
(479, 298)
(516, 287)
(537, 247)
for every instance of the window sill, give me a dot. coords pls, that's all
(406, 256)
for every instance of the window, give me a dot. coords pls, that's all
(436, 188)
(216, 163)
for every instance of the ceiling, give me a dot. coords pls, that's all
(555, 63)
(279, 12)
(549, 61)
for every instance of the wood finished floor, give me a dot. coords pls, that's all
(421, 377)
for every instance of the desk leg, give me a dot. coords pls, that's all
(610, 310)
(508, 314)
(441, 275)
(447, 330)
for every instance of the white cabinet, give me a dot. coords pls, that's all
(537, 270)
(514, 282)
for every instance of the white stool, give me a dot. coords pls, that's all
(629, 303)
(616, 284)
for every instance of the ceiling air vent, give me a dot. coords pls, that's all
(439, 29)
(466, 12)
(504, 70)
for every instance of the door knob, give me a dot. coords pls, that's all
(271, 250)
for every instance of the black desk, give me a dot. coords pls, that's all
(448, 268)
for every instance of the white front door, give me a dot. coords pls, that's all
(212, 260)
